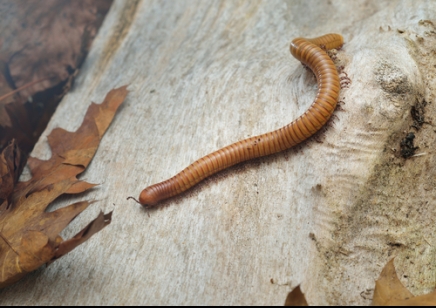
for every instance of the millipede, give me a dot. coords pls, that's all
(312, 53)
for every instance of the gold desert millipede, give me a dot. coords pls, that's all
(310, 52)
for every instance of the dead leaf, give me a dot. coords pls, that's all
(47, 39)
(389, 291)
(42, 46)
(11, 164)
(296, 298)
(29, 236)
(99, 223)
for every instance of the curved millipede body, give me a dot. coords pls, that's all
(310, 52)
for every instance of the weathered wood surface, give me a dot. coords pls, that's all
(327, 215)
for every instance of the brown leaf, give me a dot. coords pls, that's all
(296, 298)
(29, 236)
(96, 225)
(42, 46)
(79, 187)
(11, 165)
(47, 39)
(389, 291)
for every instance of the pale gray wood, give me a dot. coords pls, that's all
(205, 74)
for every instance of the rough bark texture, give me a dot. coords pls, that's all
(327, 215)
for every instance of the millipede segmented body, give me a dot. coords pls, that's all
(311, 52)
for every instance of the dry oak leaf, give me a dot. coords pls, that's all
(11, 164)
(29, 236)
(296, 298)
(389, 291)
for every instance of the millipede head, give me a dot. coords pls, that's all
(139, 202)
(147, 198)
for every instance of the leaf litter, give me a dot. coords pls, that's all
(389, 291)
(42, 47)
(29, 236)
(296, 298)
